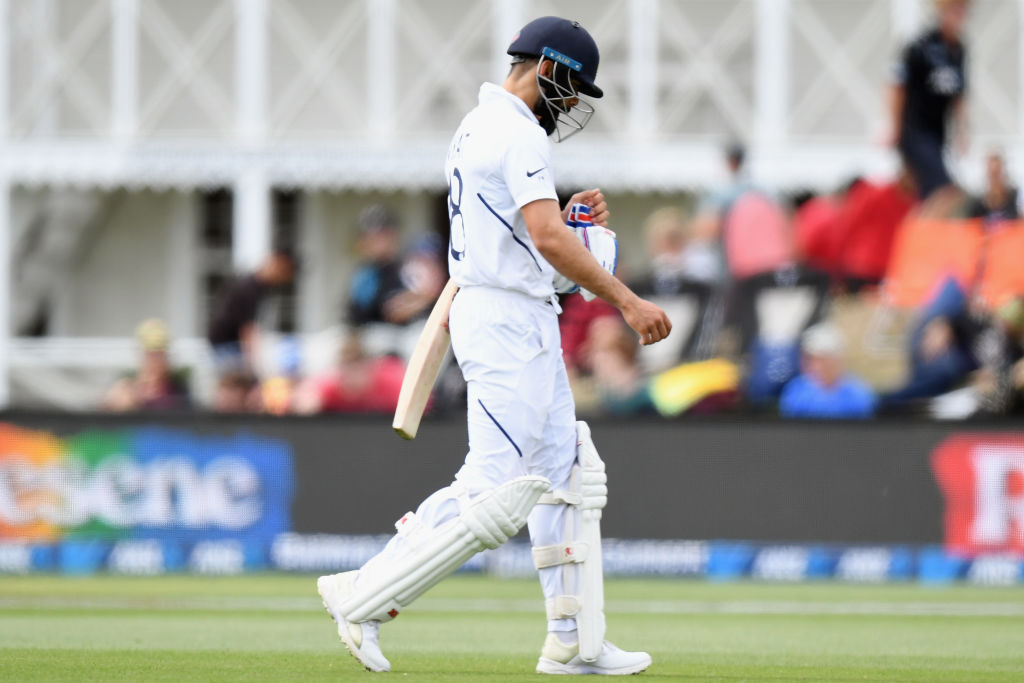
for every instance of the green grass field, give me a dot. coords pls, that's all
(272, 628)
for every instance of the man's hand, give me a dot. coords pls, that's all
(595, 200)
(647, 320)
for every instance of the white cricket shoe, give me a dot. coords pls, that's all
(559, 658)
(361, 639)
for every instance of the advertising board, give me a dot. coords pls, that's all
(142, 496)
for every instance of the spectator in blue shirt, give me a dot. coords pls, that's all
(824, 389)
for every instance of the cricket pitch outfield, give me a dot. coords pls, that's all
(470, 628)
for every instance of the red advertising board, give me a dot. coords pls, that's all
(982, 481)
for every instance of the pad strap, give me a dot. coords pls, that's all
(560, 497)
(562, 607)
(545, 556)
(410, 526)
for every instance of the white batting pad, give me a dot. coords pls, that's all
(580, 552)
(593, 487)
(433, 553)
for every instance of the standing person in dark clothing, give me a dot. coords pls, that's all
(928, 91)
(232, 330)
(378, 276)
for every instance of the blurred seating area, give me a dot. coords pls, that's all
(848, 304)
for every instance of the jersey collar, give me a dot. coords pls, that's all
(490, 92)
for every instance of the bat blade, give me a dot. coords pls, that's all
(424, 366)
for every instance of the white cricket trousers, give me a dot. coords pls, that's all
(521, 415)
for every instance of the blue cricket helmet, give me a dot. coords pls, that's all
(565, 42)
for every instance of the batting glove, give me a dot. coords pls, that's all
(599, 241)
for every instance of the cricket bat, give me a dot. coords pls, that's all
(424, 366)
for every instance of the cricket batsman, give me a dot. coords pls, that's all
(530, 462)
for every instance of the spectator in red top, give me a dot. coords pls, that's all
(360, 384)
(578, 316)
(851, 236)
(816, 232)
(868, 223)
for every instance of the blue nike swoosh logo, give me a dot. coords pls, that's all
(530, 174)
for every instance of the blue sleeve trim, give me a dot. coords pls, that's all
(518, 241)
(498, 425)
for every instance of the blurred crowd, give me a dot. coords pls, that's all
(774, 301)
(901, 296)
(391, 290)
(881, 297)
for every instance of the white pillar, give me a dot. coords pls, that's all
(1020, 75)
(771, 74)
(5, 63)
(643, 67)
(506, 19)
(251, 224)
(6, 238)
(906, 16)
(380, 61)
(124, 69)
(5, 290)
(251, 229)
(251, 70)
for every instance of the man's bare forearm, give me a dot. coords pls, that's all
(564, 251)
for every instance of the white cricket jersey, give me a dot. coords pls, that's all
(499, 161)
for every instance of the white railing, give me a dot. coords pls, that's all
(172, 92)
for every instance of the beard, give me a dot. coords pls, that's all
(545, 118)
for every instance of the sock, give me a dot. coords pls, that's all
(371, 631)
